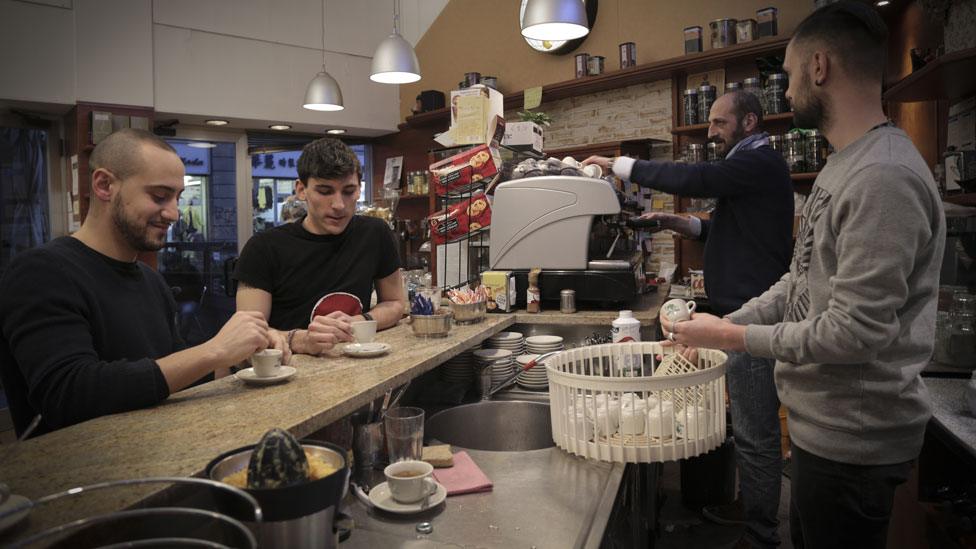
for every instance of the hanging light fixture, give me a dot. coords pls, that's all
(395, 61)
(554, 20)
(323, 93)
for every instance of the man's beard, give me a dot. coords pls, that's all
(811, 112)
(134, 234)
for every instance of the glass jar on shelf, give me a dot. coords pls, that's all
(776, 86)
(816, 149)
(694, 153)
(961, 344)
(795, 151)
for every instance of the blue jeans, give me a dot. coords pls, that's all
(755, 427)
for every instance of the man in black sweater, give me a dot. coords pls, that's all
(748, 242)
(87, 330)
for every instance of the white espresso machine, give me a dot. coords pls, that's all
(571, 228)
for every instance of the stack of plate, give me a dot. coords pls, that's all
(459, 369)
(501, 362)
(542, 344)
(510, 341)
(536, 378)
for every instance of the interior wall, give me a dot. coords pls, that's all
(20, 78)
(473, 35)
(108, 72)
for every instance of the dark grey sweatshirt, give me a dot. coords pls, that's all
(853, 323)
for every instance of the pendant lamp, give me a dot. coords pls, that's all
(395, 61)
(323, 93)
(554, 20)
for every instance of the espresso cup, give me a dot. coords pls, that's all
(410, 481)
(266, 362)
(677, 310)
(364, 331)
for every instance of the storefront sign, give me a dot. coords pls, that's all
(279, 165)
(195, 160)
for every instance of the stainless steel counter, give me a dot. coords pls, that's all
(541, 498)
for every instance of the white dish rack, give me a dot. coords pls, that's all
(618, 402)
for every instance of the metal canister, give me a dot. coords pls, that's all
(816, 151)
(711, 152)
(723, 33)
(695, 153)
(582, 60)
(706, 96)
(693, 39)
(567, 301)
(732, 86)
(690, 104)
(628, 55)
(794, 145)
(776, 86)
(776, 143)
(746, 31)
(753, 86)
(595, 65)
(490, 81)
(471, 78)
(766, 19)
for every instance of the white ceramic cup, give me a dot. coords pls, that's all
(266, 362)
(416, 483)
(677, 310)
(364, 331)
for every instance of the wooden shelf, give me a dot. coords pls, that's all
(951, 77)
(413, 196)
(703, 128)
(968, 199)
(649, 72)
(804, 177)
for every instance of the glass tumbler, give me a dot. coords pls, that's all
(404, 433)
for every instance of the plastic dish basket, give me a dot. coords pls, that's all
(636, 402)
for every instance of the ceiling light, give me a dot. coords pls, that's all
(336, 131)
(201, 145)
(280, 127)
(323, 93)
(217, 122)
(554, 20)
(395, 61)
(882, 3)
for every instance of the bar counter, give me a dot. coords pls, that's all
(180, 436)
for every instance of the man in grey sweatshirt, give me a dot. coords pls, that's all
(853, 323)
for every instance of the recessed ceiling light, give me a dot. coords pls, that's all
(280, 127)
(201, 145)
(882, 3)
(217, 122)
(336, 131)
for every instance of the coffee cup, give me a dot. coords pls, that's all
(677, 310)
(364, 331)
(410, 480)
(266, 362)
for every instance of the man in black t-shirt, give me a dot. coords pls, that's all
(87, 330)
(284, 272)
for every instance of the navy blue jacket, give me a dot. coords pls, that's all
(749, 238)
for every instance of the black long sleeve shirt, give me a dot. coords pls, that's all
(80, 335)
(748, 240)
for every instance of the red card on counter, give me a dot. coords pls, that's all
(465, 477)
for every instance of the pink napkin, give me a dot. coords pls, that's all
(465, 477)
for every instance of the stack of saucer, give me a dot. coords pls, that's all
(536, 378)
(501, 362)
(459, 369)
(510, 341)
(542, 344)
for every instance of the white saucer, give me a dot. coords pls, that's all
(248, 376)
(366, 350)
(543, 340)
(381, 497)
(13, 501)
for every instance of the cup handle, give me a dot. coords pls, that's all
(431, 486)
(691, 306)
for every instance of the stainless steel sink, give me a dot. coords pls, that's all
(509, 426)
(574, 334)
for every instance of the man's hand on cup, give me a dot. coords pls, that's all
(325, 332)
(601, 161)
(243, 335)
(705, 330)
(671, 222)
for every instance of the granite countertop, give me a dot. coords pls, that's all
(951, 412)
(645, 309)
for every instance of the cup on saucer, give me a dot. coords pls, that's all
(364, 331)
(410, 480)
(266, 363)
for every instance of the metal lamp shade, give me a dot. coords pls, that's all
(395, 62)
(323, 93)
(554, 20)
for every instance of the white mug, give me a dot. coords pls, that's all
(414, 480)
(677, 310)
(266, 362)
(364, 331)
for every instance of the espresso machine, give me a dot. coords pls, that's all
(575, 230)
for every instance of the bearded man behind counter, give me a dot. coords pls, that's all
(87, 330)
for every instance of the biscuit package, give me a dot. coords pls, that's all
(461, 219)
(461, 170)
(500, 286)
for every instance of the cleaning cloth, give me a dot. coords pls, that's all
(464, 478)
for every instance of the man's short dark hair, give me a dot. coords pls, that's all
(120, 152)
(743, 103)
(328, 158)
(854, 32)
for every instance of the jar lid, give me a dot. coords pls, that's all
(778, 76)
(723, 20)
(696, 146)
(733, 85)
(567, 292)
(712, 145)
(695, 28)
(813, 133)
(691, 91)
(706, 87)
(775, 138)
(751, 80)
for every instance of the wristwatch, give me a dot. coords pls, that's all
(367, 316)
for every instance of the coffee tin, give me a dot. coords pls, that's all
(582, 61)
(628, 55)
